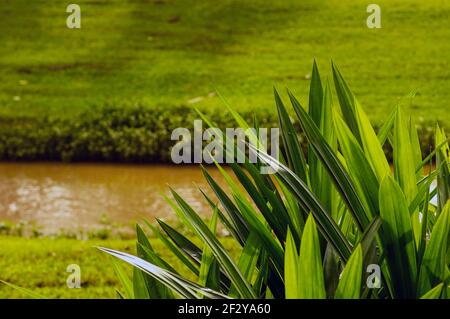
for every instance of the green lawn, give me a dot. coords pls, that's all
(166, 53)
(40, 264)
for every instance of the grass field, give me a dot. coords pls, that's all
(40, 264)
(166, 53)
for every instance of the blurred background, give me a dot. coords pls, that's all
(86, 114)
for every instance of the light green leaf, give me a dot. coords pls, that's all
(25, 291)
(330, 161)
(181, 286)
(359, 124)
(291, 269)
(359, 168)
(139, 285)
(404, 164)
(206, 275)
(397, 237)
(293, 148)
(126, 282)
(242, 285)
(434, 293)
(349, 286)
(311, 281)
(434, 268)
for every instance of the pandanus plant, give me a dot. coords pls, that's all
(317, 227)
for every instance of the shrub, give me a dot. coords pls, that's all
(312, 230)
(123, 133)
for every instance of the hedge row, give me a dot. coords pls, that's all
(112, 134)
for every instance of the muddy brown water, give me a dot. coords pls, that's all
(56, 197)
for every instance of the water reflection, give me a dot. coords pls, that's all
(59, 196)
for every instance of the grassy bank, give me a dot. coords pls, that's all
(129, 134)
(169, 56)
(40, 264)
